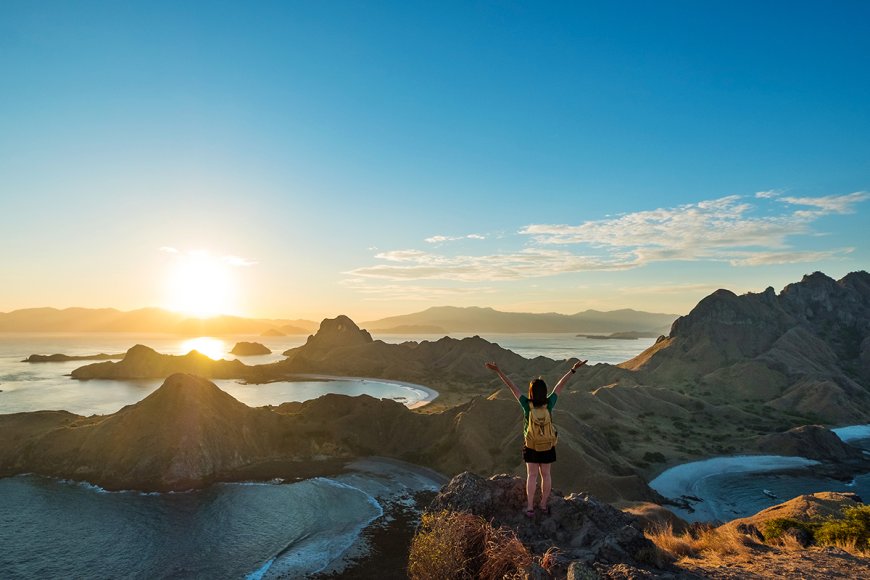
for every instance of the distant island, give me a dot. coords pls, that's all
(629, 335)
(250, 349)
(43, 358)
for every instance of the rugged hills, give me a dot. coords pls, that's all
(733, 370)
(478, 320)
(805, 351)
(189, 433)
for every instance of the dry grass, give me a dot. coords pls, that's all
(463, 546)
(446, 546)
(851, 546)
(707, 542)
(788, 542)
(550, 559)
(504, 555)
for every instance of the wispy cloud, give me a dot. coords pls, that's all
(771, 258)
(442, 239)
(831, 204)
(730, 229)
(528, 263)
(769, 194)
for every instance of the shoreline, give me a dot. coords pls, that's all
(681, 482)
(430, 393)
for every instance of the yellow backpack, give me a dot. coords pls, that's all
(541, 434)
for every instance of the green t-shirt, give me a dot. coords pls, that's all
(524, 403)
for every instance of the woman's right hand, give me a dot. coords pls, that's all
(491, 366)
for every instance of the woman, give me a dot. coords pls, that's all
(536, 461)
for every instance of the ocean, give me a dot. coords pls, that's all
(720, 489)
(61, 529)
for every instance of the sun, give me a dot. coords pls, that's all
(200, 285)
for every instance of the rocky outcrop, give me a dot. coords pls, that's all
(142, 362)
(250, 349)
(579, 526)
(812, 442)
(805, 351)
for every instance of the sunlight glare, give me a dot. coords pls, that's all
(213, 348)
(201, 285)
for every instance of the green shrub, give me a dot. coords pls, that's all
(853, 527)
(775, 528)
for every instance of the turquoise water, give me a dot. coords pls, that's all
(59, 529)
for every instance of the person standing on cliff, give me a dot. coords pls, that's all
(537, 461)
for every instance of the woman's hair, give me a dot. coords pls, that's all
(538, 392)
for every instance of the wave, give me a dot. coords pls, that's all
(314, 551)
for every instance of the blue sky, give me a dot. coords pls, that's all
(376, 158)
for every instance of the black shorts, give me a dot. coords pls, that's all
(532, 456)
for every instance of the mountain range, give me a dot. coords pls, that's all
(438, 320)
(143, 320)
(447, 319)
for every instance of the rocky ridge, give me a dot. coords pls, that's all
(580, 526)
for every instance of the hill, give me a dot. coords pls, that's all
(144, 320)
(487, 320)
(189, 433)
(805, 351)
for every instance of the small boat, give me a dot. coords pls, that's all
(769, 493)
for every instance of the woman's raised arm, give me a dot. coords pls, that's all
(494, 367)
(564, 380)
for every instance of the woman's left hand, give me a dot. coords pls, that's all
(578, 364)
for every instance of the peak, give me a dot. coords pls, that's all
(140, 349)
(338, 331)
(817, 278)
(182, 390)
(339, 324)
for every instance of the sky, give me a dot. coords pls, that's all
(308, 159)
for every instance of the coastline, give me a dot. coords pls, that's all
(429, 393)
(380, 548)
(681, 482)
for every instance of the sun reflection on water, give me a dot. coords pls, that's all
(213, 348)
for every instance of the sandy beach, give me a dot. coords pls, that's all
(429, 395)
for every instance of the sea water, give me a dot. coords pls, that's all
(51, 528)
(724, 488)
